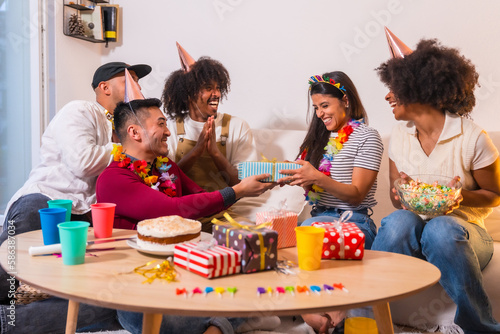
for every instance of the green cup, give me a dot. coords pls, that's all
(73, 237)
(62, 203)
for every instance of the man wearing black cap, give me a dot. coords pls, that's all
(76, 147)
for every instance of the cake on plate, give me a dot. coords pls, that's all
(161, 233)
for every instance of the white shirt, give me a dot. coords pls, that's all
(76, 147)
(461, 148)
(240, 145)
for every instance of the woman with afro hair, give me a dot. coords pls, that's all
(432, 91)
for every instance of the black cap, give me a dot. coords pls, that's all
(109, 70)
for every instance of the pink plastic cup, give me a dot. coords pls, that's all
(103, 215)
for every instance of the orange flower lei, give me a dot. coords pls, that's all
(332, 148)
(166, 183)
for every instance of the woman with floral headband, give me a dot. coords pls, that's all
(340, 155)
(432, 90)
(340, 159)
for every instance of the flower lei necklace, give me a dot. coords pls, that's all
(165, 183)
(333, 147)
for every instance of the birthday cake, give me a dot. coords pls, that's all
(160, 233)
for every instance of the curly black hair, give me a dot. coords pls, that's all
(317, 135)
(433, 75)
(182, 87)
(127, 113)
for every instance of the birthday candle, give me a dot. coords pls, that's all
(208, 289)
(316, 289)
(260, 291)
(232, 291)
(279, 289)
(182, 291)
(269, 291)
(219, 291)
(196, 290)
(340, 286)
(290, 289)
(328, 288)
(303, 289)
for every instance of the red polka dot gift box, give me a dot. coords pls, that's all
(343, 241)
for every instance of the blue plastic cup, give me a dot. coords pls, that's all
(73, 241)
(49, 218)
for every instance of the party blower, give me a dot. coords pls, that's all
(56, 248)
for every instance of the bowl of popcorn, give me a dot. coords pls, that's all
(428, 195)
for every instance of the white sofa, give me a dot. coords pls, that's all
(429, 309)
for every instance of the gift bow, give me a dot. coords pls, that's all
(264, 159)
(253, 228)
(338, 226)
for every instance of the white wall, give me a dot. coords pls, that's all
(271, 48)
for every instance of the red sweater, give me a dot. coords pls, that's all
(135, 201)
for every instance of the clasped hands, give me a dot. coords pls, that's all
(207, 139)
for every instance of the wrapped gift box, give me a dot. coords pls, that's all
(258, 245)
(210, 262)
(346, 242)
(249, 168)
(282, 221)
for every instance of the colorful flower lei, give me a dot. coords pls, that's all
(165, 183)
(333, 147)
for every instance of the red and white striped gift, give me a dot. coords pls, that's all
(282, 221)
(210, 262)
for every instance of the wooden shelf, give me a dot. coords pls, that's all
(89, 39)
(79, 7)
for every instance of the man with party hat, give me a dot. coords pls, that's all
(207, 145)
(76, 147)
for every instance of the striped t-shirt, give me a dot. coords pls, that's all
(363, 149)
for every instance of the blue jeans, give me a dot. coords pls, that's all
(171, 324)
(47, 316)
(360, 218)
(459, 249)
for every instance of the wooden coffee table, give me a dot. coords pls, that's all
(107, 280)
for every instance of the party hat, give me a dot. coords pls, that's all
(186, 60)
(397, 48)
(132, 90)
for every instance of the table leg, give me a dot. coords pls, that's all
(151, 323)
(72, 317)
(383, 317)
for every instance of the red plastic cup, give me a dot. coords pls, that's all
(103, 216)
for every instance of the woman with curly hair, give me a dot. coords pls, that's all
(432, 91)
(206, 145)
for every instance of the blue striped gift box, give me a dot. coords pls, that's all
(249, 168)
(284, 165)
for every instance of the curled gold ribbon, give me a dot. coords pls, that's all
(164, 270)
